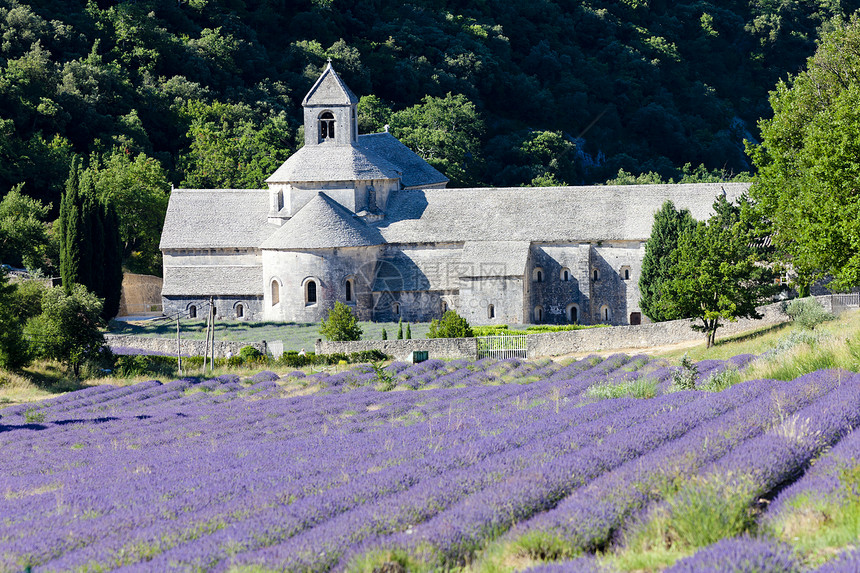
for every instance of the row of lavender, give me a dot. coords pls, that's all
(226, 472)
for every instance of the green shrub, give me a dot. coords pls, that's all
(807, 312)
(684, 378)
(340, 324)
(250, 354)
(452, 325)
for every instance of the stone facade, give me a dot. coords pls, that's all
(363, 220)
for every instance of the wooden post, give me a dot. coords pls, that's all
(178, 345)
(212, 310)
(206, 344)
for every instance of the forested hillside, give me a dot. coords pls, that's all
(206, 93)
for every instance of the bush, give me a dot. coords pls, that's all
(807, 313)
(340, 324)
(684, 378)
(452, 325)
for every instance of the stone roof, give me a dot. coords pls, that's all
(329, 89)
(213, 218)
(494, 258)
(206, 280)
(329, 161)
(418, 268)
(323, 224)
(416, 171)
(543, 214)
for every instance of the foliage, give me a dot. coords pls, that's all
(719, 271)
(669, 225)
(90, 249)
(685, 376)
(452, 325)
(340, 324)
(384, 334)
(68, 330)
(807, 312)
(408, 332)
(808, 174)
(13, 348)
(136, 187)
(23, 231)
(400, 329)
(250, 354)
(446, 132)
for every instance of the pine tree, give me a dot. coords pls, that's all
(669, 225)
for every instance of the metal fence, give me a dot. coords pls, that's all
(839, 303)
(502, 347)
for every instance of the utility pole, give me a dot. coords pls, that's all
(212, 310)
(178, 345)
(206, 345)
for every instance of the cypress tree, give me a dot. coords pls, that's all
(408, 332)
(669, 225)
(70, 230)
(400, 329)
(384, 334)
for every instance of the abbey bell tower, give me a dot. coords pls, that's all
(330, 116)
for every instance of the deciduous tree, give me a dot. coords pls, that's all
(340, 324)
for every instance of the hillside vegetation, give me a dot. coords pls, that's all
(550, 91)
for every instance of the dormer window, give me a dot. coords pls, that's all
(326, 126)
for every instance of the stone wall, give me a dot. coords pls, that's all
(451, 348)
(642, 336)
(187, 347)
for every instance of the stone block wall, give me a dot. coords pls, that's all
(187, 347)
(450, 348)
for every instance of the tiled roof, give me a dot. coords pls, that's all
(543, 214)
(323, 224)
(416, 172)
(494, 258)
(329, 89)
(212, 218)
(206, 280)
(329, 161)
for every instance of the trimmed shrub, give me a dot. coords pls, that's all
(807, 312)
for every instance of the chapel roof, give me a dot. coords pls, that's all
(332, 162)
(323, 224)
(216, 218)
(206, 280)
(542, 214)
(329, 89)
(416, 171)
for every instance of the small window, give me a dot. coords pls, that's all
(572, 313)
(626, 274)
(595, 275)
(276, 292)
(349, 290)
(444, 307)
(311, 292)
(565, 275)
(491, 312)
(537, 275)
(395, 308)
(192, 311)
(635, 318)
(605, 314)
(326, 126)
(538, 314)
(240, 311)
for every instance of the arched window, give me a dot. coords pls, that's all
(537, 275)
(565, 274)
(192, 311)
(572, 313)
(240, 311)
(276, 292)
(595, 275)
(396, 308)
(625, 272)
(326, 126)
(311, 292)
(348, 290)
(538, 314)
(444, 307)
(605, 314)
(491, 312)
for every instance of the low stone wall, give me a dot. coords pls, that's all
(187, 347)
(402, 349)
(641, 336)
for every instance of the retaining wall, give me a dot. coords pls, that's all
(187, 347)
(402, 349)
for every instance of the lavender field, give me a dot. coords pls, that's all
(494, 466)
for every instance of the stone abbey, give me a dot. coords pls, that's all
(363, 220)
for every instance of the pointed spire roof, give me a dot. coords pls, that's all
(323, 224)
(329, 89)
